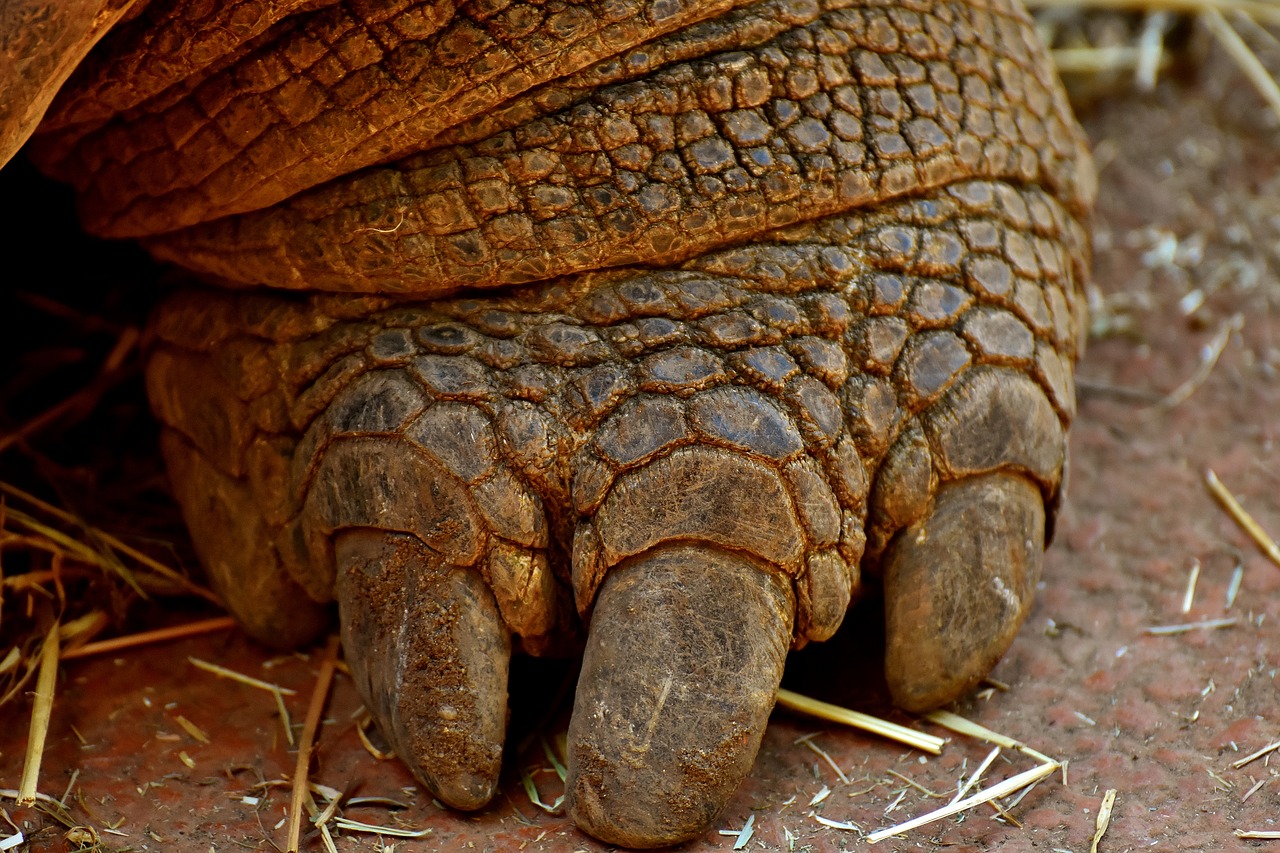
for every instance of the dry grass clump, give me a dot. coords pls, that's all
(1099, 45)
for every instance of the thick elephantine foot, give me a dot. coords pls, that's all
(682, 665)
(958, 586)
(698, 461)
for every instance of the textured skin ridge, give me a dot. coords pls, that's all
(859, 106)
(165, 44)
(350, 85)
(846, 369)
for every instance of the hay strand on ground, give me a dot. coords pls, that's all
(41, 711)
(240, 677)
(319, 696)
(995, 792)
(1104, 818)
(1238, 514)
(160, 635)
(859, 720)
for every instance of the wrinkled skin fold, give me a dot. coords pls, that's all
(653, 326)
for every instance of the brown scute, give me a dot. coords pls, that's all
(486, 436)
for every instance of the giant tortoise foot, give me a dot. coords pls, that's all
(647, 457)
(656, 322)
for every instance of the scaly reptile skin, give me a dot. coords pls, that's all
(659, 321)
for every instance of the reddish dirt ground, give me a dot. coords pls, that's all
(1188, 252)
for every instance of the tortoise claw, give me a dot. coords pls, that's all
(429, 652)
(685, 653)
(958, 585)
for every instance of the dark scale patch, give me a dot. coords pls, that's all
(746, 419)
(454, 376)
(768, 367)
(681, 369)
(640, 429)
(459, 437)
(378, 402)
(935, 304)
(822, 358)
(818, 408)
(731, 331)
(931, 361)
(594, 392)
(565, 345)
(447, 338)
(393, 345)
(877, 341)
(998, 335)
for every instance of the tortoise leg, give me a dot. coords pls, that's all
(689, 570)
(958, 585)
(429, 652)
(682, 665)
(960, 570)
(434, 552)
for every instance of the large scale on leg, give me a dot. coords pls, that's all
(604, 317)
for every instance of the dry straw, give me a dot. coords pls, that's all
(1238, 514)
(319, 697)
(986, 795)
(41, 711)
(859, 720)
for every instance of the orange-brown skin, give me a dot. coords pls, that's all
(661, 322)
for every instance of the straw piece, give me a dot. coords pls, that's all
(1267, 13)
(394, 832)
(1212, 352)
(807, 740)
(859, 720)
(318, 698)
(240, 677)
(73, 408)
(10, 661)
(1233, 588)
(1151, 53)
(744, 835)
(1271, 747)
(192, 729)
(368, 744)
(836, 824)
(1189, 597)
(962, 726)
(86, 626)
(1243, 56)
(111, 542)
(1091, 60)
(995, 792)
(278, 694)
(160, 635)
(977, 774)
(1267, 834)
(1257, 786)
(1207, 624)
(1242, 518)
(41, 709)
(1104, 818)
